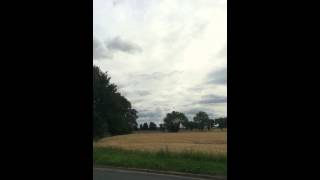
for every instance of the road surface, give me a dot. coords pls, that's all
(116, 174)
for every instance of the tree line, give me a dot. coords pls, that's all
(112, 112)
(174, 120)
(145, 126)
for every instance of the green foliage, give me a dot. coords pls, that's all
(100, 127)
(188, 161)
(173, 120)
(210, 124)
(145, 126)
(191, 125)
(222, 122)
(112, 113)
(131, 116)
(201, 119)
(152, 126)
(161, 127)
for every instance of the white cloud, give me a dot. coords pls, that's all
(181, 43)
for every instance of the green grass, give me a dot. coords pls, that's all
(191, 162)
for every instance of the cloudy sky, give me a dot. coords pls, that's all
(164, 55)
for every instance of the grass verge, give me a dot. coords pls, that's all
(191, 162)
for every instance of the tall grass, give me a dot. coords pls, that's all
(186, 161)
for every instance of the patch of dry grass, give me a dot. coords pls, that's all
(208, 142)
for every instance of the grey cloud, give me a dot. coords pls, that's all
(142, 92)
(196, 89)
(218, 77)
(212, 99)
(136, 101)
(192, 111)
(145, 78)
(105, 51)
(99, 51)
(138, 92)
(158, 75)
(149, 116)
(118, 44)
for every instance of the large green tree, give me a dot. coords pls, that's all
(132, 116)
(145, 126)
(112, 112)
(190, 125)
(152, 126)
(222, 122)
(173, 120)
(201, 119)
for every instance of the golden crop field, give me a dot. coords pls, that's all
(209, 142)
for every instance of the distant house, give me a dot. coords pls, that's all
(182, 126)
(178, 121)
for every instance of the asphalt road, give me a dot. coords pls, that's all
(115, 174)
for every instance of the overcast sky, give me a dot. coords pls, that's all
(164, 55)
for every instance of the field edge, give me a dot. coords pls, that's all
(187, 162)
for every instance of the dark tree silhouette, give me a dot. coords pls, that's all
(222, 122)
(201, 119)
(161, 126)
(210, 124)
(112, 113)
(173, 120)
(152, 126)
(132, 116)
(145, 126)
(191, 125)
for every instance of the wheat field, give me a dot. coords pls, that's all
(213, 142)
